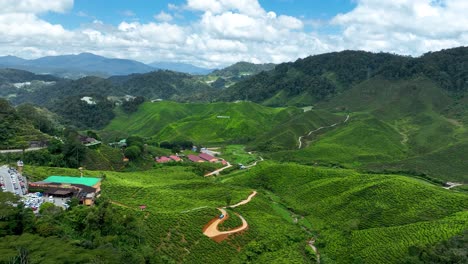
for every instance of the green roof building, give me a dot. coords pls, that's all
(88, 181)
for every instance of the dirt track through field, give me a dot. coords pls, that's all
(211, 229)
(320, 128)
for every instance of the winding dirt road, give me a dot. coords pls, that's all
(216, 172)
(320, 128)
(211, 229)
(255, 163)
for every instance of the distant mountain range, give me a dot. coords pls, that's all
(180, 67)
(76, 66)
(85, 64)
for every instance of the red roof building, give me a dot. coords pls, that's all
(208, 157)
(195, 158)
(163, 160)
(175, 158)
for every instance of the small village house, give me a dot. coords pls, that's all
(163, 159)
(195, 158)
(208, 157)
(175, 158)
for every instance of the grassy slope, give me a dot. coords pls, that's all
(286, 134)
(395, 125)
(248, 122)
(104, 158)
(353, 211)
(358, 217)
(180, 204)
(358, 141)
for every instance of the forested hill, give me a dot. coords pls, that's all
(319, 77)
(243, 68)
(162, 84)
(20, 126)
(66, 97)
(8, 76)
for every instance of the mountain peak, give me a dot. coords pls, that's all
(180, 67)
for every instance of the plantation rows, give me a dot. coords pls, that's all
(342, 203)
(168, 190)
(388, 245)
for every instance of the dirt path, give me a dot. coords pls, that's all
(451, 185)
(320, 128)
(121, 205)
(211, 229)
(311, 244)
(216, 172)
(244, 201)
(255, 163)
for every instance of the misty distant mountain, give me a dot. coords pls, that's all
(180, 67)
(11, 60)
(76, 66)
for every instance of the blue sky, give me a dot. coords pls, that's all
(86, 11)
(217, 33)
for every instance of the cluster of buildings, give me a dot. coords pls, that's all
(86, 189)
(164, 159)
(202, 157)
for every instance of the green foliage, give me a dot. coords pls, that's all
(130, 106)
(81, 114)
(132, 152)
(217, 123)
(321, 76)
(73, 151)
(37, 117)
(29, 248)
(449, 251)
(363, 140)
(164, 85)
(16, 130)
(363, 217)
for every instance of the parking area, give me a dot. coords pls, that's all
(35, 200)
(12, 181)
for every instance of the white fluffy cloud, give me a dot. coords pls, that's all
(248, 7)
(22, 32)
(227, 31)
(405, 26)
(163, 16)
(35, 6)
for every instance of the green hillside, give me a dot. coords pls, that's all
(324, 76)
(203, 123)
(363, 218)
(17, 131)
(220, 123)
(353, 217)
(409, 126)
(361, 140)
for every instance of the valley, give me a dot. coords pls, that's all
(347, 157)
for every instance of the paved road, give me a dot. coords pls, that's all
(20, 150)
(11, 180)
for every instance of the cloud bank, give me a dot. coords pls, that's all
(227, 31)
